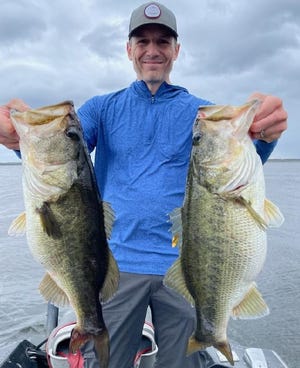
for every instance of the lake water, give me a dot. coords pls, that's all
(23, 311)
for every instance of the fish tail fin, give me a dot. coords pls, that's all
(102, 348)
(224, 347)
(78, 339)
(101, 341)
(195, 345)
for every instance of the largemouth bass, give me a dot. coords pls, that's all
(221, 228)
(66, 222)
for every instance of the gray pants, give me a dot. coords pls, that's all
(124, 315)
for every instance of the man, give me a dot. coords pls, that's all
(142, 137)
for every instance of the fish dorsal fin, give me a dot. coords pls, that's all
(18, 226)
(252, 306)
(176, 228)
(49, 224)
(174, 279)
(111, 281)
(273, 215)
(109, 218)
(52, 292)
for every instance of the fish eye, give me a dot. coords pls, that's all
(196, 138)
(72, 133)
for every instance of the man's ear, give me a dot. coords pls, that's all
(177, 51)
(129, 50)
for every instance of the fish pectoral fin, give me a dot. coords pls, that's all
(176, 228)
(18, 226)
(109, 218)
(111, 281)
(52, 292)
(256, 216)
(174, 279)
(273, 215)
(48, 221)
(252, 306)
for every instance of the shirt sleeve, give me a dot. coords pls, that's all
(89, 115)
(264, 149)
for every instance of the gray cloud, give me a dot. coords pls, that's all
(106, 40)
(51, 51)
(20, 22)
(244, 35)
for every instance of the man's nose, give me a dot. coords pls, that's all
(152, 48)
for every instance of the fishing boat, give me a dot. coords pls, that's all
(53, 351)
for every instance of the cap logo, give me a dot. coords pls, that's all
(152, 11)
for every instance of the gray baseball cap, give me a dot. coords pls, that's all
(152, 13)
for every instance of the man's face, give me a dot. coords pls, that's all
(152, 51)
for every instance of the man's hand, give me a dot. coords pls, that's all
(271, 119)
(8, 135)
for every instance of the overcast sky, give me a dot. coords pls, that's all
(55, 50)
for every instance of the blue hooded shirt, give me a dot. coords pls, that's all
(143, 145)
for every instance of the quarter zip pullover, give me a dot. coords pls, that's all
(143, 145)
